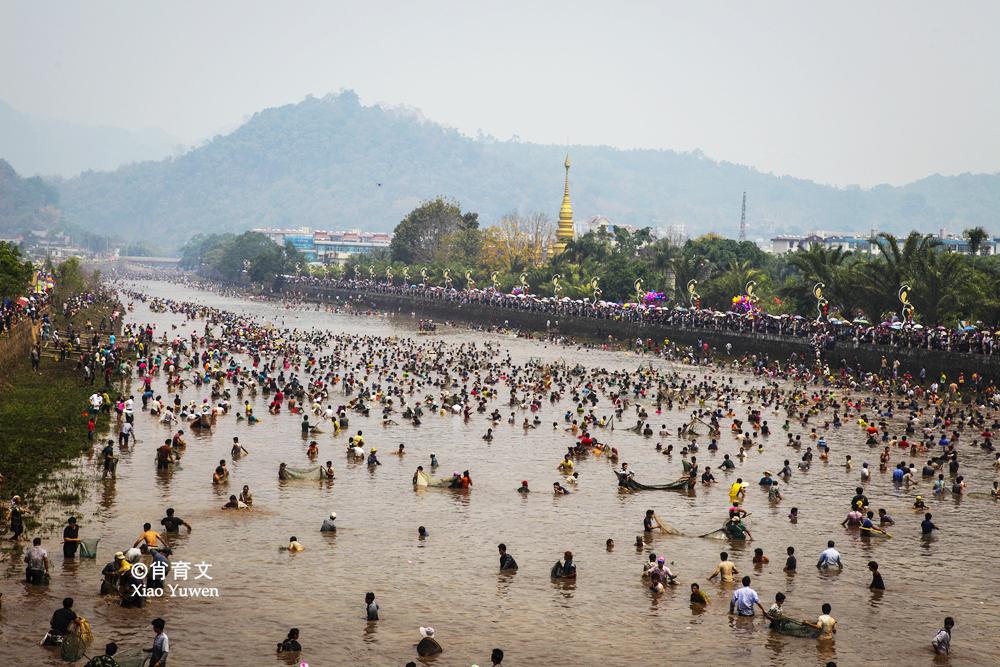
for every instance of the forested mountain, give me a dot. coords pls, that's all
(25, 203)
(332, 163)
(46, 146)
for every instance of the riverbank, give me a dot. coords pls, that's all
(43, 422)
(869, 356)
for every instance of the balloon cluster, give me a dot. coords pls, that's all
(651, 297)
(743, 304)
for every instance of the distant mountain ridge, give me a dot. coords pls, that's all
(332, 163)
(25, 203)
(37, 145)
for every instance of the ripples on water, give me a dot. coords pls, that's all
(450, 580)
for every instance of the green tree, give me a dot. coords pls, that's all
(628, 243)
(938, 291)
(15, 271)
(139, 249)
(204, 249)
(722, 252)
(833, 267)
(894, 265)
(687, 267)
(732, 282)
(70, 279)
(254, 255)
(428, 231)
(660, 256)
(975, 236)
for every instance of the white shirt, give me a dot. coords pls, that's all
(830, 556)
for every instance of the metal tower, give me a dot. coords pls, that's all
(743, 219)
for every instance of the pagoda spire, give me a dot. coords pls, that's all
(564, 233)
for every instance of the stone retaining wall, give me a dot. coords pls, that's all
(15, 346)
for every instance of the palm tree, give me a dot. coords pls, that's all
(836, 268)
(818, 262)
(937, 289)
(687, 267)
(732, 282)
(896, 265)
(975, 236)
(661, 257)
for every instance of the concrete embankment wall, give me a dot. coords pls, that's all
(15, 346)
(776, 347)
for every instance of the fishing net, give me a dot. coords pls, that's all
(787, 626)
(133, 658)
(719, 534)
(630, 483)
(315, 472)
(424, 480)
(88, 547)
(72, 648)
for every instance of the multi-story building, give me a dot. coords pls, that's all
(864, 244)
(329, 247)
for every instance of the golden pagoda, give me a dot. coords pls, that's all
(564, 233)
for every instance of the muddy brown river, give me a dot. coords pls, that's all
(450, 580)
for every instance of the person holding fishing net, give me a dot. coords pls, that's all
(651, 522)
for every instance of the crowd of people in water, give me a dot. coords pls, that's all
(921, 430)
(825, 332)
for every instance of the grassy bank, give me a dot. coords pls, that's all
(42, 422)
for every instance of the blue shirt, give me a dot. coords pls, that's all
(897, 475)
(744, 599)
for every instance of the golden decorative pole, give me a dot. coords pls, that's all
(821, 302)
(564, 233)
(694, 299)
(904, 298)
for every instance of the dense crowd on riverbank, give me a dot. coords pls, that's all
(825, 333)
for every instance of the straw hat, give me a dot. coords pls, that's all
(427, 632)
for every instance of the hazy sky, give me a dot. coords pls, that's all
(841, 92)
